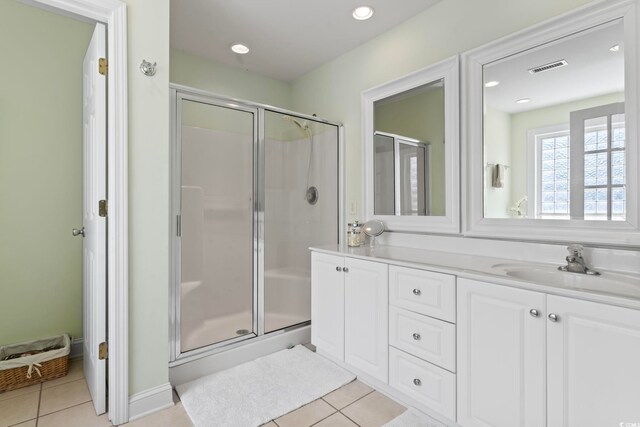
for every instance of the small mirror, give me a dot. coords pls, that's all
(554, 129)
(410, 138)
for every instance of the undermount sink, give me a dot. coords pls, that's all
(609, 283)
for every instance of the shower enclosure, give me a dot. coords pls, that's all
(252, 188)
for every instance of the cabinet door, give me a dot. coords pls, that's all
(593, 364)
(501, 356)
(366, 317)
(327, 304)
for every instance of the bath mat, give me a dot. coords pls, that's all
(256, 392)
(413, 418)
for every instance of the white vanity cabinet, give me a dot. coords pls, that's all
(349, 312)
(501, 356)
(593, 364)
(530, 359)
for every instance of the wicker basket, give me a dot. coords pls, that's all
(44, 370)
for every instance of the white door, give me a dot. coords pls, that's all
(327, 304)
(366, 319)
(593, 364)
(501, 356)
(94, 243)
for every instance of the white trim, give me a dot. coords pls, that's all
(113, 13)
(149, 401)
(474, 224)
(450, 222)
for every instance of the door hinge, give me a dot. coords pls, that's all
(179, 225)
(102, 208)
(103, 351)
(103, 66)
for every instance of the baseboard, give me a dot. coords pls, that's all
(76, 348)
(149, 401)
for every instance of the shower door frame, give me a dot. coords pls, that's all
(179, 93)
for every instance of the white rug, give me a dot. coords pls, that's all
(413, 418)
(256, 392)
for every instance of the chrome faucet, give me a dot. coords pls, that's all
(575, 262)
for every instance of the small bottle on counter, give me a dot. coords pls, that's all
(354, 234)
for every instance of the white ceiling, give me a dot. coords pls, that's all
(287, 38)
(592, 70)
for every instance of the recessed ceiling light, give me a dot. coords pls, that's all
(239, 48)
(615, 48)
(362, 12)
(492, 83)
(523, 100)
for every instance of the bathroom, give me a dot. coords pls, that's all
(333, 91)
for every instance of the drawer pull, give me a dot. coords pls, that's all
(346, 269)
(338, 268)
(554, 317)
(417, 292)
(416, 336)
(534, 313)
(417, 381)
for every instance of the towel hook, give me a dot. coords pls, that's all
(147, 68)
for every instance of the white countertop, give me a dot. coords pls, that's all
(489, 269)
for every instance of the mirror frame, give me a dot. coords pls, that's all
(618, 233)
(448, 70)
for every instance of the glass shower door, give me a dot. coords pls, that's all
(217, 150)
(300, 210)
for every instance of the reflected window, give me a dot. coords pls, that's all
(598, 173)
(552, 168)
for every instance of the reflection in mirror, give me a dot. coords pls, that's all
(401, 169)
(554, 129)
(409, 152)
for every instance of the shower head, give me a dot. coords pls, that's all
(303, 126)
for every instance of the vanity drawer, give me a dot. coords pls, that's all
(430, 385)
(430, 339)
(432, 294)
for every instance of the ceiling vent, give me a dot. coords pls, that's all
(547, 67)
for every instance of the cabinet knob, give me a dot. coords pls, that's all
(338, 268)
(346, 270)
(534, 313)
(417, 292)
(416, 336)
(417, 381)
(554, 317)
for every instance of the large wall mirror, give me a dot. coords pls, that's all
(410, 137)
(552, 130)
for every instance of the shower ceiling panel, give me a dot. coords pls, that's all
(287, 38)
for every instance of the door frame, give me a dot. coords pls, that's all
(112, 13)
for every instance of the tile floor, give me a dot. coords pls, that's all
(65, 402)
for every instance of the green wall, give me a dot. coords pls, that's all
(497, 149)
(506, 137)
(40, 172)
(221, 79)
(521, 123)
(450, 27)
(148, 38)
